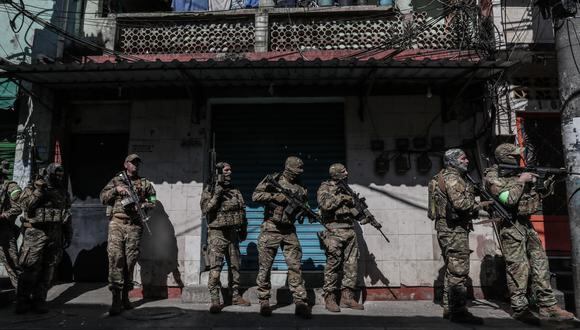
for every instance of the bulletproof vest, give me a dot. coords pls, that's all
(530, 201)
(277, 213)
(342, 217)
(139, 184)
(230, 212)
(52, 208)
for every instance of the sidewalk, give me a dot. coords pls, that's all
(84, 306)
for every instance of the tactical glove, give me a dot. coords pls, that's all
(347, 200)
(484, 204)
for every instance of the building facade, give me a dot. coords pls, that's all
(383, 88)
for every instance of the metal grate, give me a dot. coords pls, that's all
(235, 37)
(417, 31)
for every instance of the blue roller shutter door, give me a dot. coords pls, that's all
(256, 139)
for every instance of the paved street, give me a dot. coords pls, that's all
(84, 306)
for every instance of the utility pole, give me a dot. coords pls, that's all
(567, 35)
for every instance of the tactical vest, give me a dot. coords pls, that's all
(230, 213)
(277, 213)
(341, 218)
(52, 209)
(139, 184)
(530, 201)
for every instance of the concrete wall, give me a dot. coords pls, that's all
(172, 148)
(172, 145)
(399, 202)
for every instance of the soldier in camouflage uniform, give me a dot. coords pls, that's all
(224, 209)
(339, 240)
(125, 228)
(47, 232)
(278, 230)
(526, 260)
(9, 210)
(455, 208)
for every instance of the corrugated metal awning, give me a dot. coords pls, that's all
(238, 70)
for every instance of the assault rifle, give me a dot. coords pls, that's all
(297, 205)
(496, 207)
(542, 172)
(361, 210)
(216, 177)
(133, 199)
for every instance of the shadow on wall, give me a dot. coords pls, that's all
(92, 265)
(367, 265)
(158, 256)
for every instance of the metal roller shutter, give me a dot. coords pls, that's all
(256, 139)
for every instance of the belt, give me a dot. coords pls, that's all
(41, 225)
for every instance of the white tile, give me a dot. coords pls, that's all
(381, 273)
(191, 272)
(407, 247)
(383, 251)
(192, 248)
(424, 247)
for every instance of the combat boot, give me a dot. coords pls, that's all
(465, 317)
(331, 304)
(126, 301)
(265, 309)
(116, 304)
(347, 300)
(215, 306)
(303, 310)
(240, 301)
(526, 316)
(555, 313)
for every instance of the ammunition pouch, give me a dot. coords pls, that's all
(226, 218)
(280, 216)
(528, 204)
(48, 215)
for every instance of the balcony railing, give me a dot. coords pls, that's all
(299, 29)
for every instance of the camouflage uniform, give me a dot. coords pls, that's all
(455, 208)
(225, 213)
(9, 210)
(278, 230)
(339, 238)
(125, 229)
(47, 231)
(526, 260)
(524, 255)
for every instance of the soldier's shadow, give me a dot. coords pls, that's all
(367, 265)
(158, 256)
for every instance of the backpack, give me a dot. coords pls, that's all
(436, 189)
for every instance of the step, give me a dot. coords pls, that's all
(199, 294)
